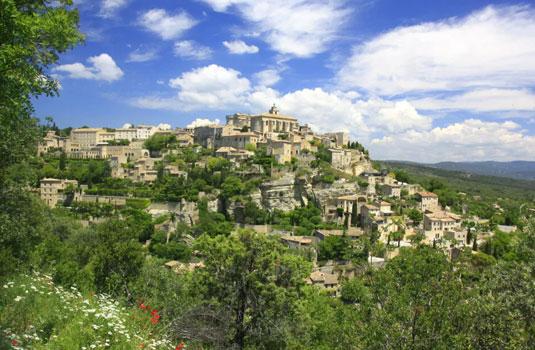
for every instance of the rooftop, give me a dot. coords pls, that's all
(427, 194)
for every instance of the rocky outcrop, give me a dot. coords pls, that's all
(186, 212)
(284, 194)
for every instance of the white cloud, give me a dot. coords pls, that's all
(189, 49)
(217, 88)
(490, 48)
(294, 27)
(392, 117)
(108, 8)
(165, 25)
(207, 88)
(211, 87)
(202, 122)
(328, 111)
(142, 56)
(484, 100)
(267, 77)
(239, 47)
(469, 140)
(164, 126)
(102, 67)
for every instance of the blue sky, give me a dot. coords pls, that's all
(411, 80)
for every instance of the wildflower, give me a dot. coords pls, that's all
(14, 342)
(157, 317)
(140, 300)
(153, 320)
(142, 306)
(18, 298)
(91, 294)
(154, 312)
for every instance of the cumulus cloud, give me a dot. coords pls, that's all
(218, 88)
(164, 126)
(334, 112)
(239, 47)
(102, 67)
(482, 100)
(189, 49)
(139, 55)
(294, 27)
(471, 139)
(108, 8)
(210, 88)
(202, 122)
(165, 25)
(490, 48)
(267, 77)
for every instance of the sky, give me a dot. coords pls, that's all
(416, 80)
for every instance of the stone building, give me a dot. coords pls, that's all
(273, 122)
(428, 201)
(52, 191)
(126, 134)
(237, 140)
(239, 121)
(392, 190)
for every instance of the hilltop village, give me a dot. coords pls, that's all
(320, 193)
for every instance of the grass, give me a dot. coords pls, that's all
(37, 314)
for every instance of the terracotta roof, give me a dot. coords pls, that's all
(352, 231)
(351, 197)
(298, 239)
(225, 149)
(427, 194)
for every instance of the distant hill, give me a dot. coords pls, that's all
(522, 170)
(469, 182)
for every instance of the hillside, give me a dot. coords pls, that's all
(491, 187)
(523, 170)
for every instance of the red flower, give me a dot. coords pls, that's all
(140, 300)
(157, 317)
(142, 306)
(148, 307)
(91, 294)
(154, 312)
(153, 320)
(181, 345)
(142, 345)
(14, 342)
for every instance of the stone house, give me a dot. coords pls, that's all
(52, 191)
(428, 201)
(392, 190)
(325, 281)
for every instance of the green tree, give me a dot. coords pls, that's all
(334, 248)
(62, 161)
(118, 258)
(232, 186)
(415, 215)
(32, 35)
(250, 287)
(354, 215)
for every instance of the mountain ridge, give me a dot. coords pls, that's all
(518, 169)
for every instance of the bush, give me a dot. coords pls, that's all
(138, 203)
